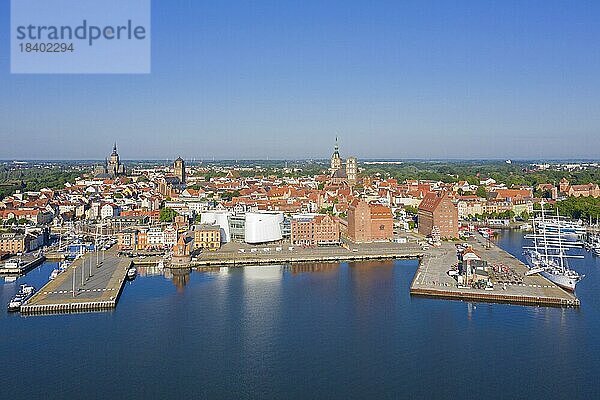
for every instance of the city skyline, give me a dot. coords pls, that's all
(280, 81)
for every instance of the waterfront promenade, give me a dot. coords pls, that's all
(236, 254)
(97, 286)
(432, 279)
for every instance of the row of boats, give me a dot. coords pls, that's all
(592, 244)
(550, 247)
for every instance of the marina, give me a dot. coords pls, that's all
(515, 286)
(91, 283)
(88, 284)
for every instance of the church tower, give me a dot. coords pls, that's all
(336, 160)
(114, 162)
(179, 167)
(351, 170)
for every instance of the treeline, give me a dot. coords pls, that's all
(34, 179)
(579, 208)
(471, 171)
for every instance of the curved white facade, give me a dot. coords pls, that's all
(218, 218)
(262, 227)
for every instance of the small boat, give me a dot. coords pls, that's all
(10, 279)
(64, 266)
(131, 273)
(24, 294)
(54, 273)
(14, 263)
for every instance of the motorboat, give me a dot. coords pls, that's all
(131, 273)
(25, 292)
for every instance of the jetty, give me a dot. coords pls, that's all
(431, 279)
(89, 284)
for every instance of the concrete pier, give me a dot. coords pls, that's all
(432, 279)
(232, 254)
(96, 288)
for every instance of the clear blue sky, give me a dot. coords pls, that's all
(279, 79)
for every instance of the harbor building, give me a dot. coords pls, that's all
(437, 211)
(314, 230)
(182, 250)
(31, 239)
(127, 239)
(369, 222)
(207, 236)
(12, 243)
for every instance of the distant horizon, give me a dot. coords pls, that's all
(398, 160)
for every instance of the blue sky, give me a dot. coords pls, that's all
(279, 79)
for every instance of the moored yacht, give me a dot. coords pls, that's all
(24, 294)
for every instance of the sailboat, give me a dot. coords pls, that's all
(548, 256)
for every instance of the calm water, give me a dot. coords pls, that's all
(339, 331)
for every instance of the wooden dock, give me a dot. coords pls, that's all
(97, 287)
(432, 280)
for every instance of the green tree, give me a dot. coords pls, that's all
(481, 192)
(411, 210)
(167, 214)
(227, 196)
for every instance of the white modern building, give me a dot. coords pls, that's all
(263, 227)
(220, 218)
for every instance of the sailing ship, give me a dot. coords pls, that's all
(548, 253)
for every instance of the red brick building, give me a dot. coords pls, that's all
(382, 223)
(369, 222)
(436, 209)
(314, 230)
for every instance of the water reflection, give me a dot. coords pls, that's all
(368, 275)
(179, 276)
(271, 273)
(151, 270)
(330, 268)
